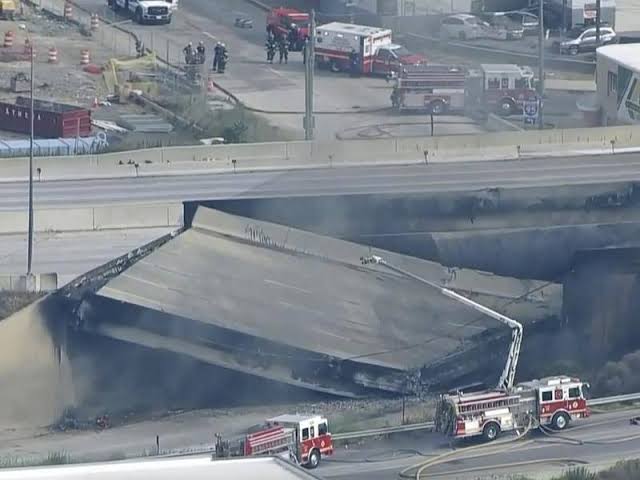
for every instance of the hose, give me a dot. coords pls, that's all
(421, 467)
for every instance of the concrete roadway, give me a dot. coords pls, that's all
(431, 178)
(606, 438)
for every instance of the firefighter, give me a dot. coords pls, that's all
(139, 48)
(283, 49)
(217, 50)
(354, 63)
(224, 58)
(188, 53)
(271, 49)
(200, 52)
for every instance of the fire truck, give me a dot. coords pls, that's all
(305, 438)
(552, 401)
(377, 54)
(290, 23)
(438, 89)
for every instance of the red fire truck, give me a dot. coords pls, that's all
(291, 23)
(303, 437)
(552, 401)
(376, 53)
(500, 88)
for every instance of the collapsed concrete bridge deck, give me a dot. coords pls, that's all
(298, 308)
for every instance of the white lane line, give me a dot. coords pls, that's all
(284, 285)
(280, 74)
(207, 34)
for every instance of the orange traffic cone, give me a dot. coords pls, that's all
(95, 102)
(210, 86)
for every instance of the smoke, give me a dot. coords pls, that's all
(619, 377)
(35, 380)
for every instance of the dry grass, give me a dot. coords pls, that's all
(11, 302)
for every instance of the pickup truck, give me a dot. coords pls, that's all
(145, 11)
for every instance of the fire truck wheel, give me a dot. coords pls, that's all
(334, 67)
(560, 421)
(314, 459)
(506, 107)
(491, 431)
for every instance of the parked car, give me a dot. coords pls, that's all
(462, 26)
(529, 21)
(500, 27)
(584, 40)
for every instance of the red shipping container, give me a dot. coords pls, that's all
(51, 120)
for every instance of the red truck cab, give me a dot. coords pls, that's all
(291, 23)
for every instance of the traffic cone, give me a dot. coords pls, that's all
(95, 102)
(210, 86)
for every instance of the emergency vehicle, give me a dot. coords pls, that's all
(290, 23)
(552, 401)
(500, 88)
(305, 438)
(377, 54)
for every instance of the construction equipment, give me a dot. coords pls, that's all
(551, 401)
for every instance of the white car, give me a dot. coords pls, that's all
(462, 26)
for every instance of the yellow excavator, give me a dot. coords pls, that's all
(7, 9)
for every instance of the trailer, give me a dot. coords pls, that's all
(336, 43)
(51, 120)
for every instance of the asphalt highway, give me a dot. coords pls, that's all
(410, 179)
(599, 441)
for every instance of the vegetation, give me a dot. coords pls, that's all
(11, 302)
(623, 470)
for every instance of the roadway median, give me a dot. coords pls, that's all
(119, 216)
(190, 160)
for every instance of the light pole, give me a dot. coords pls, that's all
(30, 234)
(308, 77)
(540, 64)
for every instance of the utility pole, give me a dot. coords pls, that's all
(597, 23)
(540, 64)
(309, 121)
(30, 235)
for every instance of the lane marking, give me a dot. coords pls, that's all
(207, 34)
(284, 285)
(280, 74)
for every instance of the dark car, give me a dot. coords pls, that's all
(529, 21)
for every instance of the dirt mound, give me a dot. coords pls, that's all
(35, 378)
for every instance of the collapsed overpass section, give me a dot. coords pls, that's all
(298, 308)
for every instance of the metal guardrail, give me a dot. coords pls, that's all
(383, 431)
(614, 399)
(430, 425)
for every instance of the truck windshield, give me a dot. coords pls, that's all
(400, 51)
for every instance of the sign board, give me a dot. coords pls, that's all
(530, 111)
(590, 11)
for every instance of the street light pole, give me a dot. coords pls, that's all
(309, 73)
(30, 236)
(540, 64)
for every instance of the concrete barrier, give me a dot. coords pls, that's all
(300, 154)
(43, 282)
(94, 218)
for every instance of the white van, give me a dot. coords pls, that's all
(462, 26)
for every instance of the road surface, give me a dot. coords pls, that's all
(73, 253)
(410, 179)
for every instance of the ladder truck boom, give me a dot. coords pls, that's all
(508, 374)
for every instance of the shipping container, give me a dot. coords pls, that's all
(51, 120)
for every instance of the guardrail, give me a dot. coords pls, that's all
(614, 399)
(383, 431)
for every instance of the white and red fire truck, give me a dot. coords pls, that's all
(552, 401)
(305, 438)
(290, 23)
(500, 88)
(377, 54)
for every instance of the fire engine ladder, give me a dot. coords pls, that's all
(430, 81)
(509, 372)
